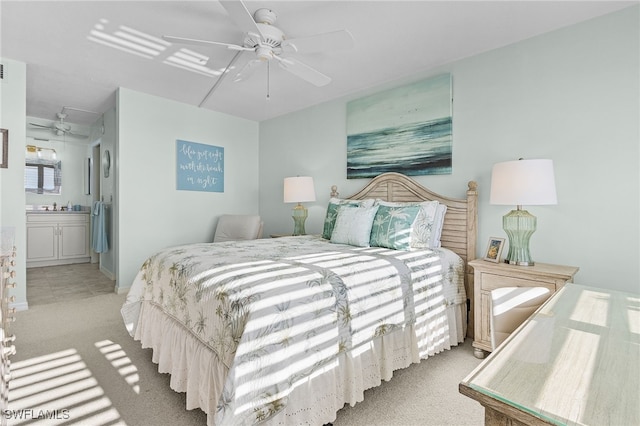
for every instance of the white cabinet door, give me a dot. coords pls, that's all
(42, 242)
(57, 239)
(73, 240)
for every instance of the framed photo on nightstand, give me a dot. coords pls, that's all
(494, 249)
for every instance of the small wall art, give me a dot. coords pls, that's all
(199, 167)
(405, 130)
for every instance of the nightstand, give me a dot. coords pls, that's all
(488, 276)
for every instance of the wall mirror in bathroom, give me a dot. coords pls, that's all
(106, 162)
(43, 176)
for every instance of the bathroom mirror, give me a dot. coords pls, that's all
(43, 176)
(106, 162)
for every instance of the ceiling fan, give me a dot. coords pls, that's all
(268, 43)
(60, 128)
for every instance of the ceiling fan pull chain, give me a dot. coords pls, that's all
(268, 79)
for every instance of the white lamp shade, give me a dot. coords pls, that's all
(523, 182)
(299, 189)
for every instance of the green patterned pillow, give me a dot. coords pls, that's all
(332, 213)
(424, 228)
(393, 227)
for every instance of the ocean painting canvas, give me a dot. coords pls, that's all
(405, 129)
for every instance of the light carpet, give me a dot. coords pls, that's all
(76, 364)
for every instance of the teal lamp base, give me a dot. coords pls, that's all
(299, 217)
(519, 225)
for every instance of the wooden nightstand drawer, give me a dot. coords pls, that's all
(491, 282)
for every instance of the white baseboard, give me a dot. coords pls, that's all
(122, 290)
(108, 273)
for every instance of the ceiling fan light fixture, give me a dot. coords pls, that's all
(264, 53)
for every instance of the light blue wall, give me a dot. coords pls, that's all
(152, 214)
(13, 117)
(571, 95)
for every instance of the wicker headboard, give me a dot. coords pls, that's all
(459, 231)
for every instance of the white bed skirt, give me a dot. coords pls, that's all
(315, 400)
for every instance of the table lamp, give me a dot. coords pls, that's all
(522, 182)
(299, 190)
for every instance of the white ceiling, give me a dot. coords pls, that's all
(393, 40)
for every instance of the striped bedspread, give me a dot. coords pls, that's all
(272, 312)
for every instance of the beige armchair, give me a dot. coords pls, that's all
(233, 227)
(510, 307)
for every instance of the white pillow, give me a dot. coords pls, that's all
(332, 212)
(424, 225)
(436, 233)
(353, 225)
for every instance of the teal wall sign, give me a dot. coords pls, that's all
(199, 167)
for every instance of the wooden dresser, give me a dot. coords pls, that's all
(489, 276)
(574, 362)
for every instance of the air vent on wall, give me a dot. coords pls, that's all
(2, 76)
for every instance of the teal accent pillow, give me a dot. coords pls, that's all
(353, 225)
(393, 226)
(424, 228)
(332, 213)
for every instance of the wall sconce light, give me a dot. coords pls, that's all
(42, 152)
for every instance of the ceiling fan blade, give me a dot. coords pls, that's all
(78, 135)
(197, 42)
(304, 71)
(241, 16)
(41, 126)
(248, 70)
(334, 40)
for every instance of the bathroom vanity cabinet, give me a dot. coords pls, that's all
(57, 238)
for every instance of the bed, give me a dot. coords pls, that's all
(289, 330)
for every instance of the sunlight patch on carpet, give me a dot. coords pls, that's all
(119, 359)
(57, 388)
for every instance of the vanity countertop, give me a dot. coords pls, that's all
(57, 212)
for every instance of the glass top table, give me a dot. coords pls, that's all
(576, 361)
